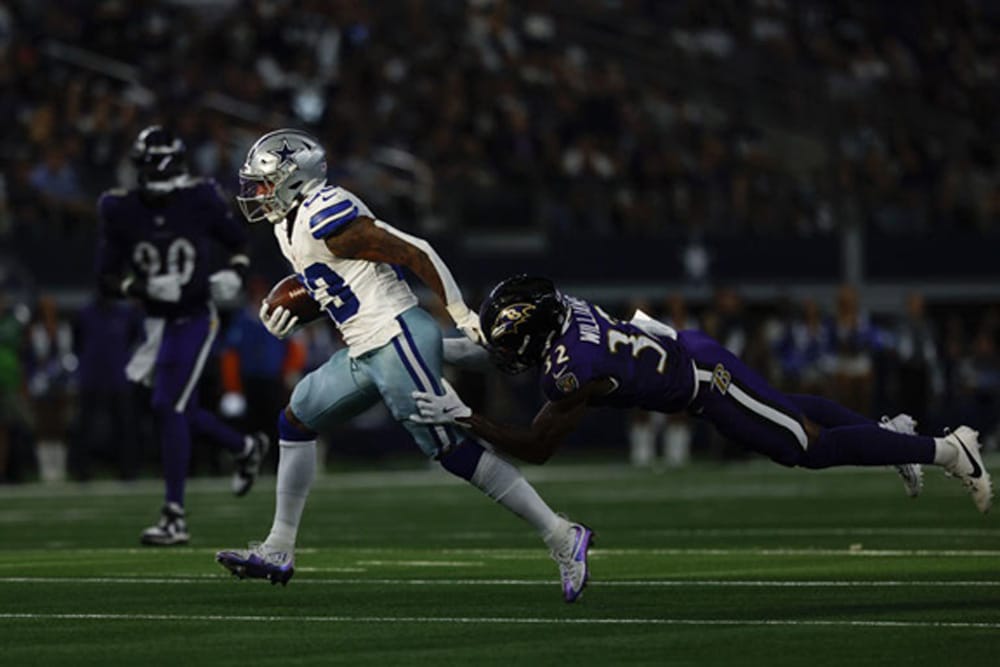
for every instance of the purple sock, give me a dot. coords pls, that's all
(175, 450)
(290, 433)
(867, 445)
(205, 423)
(827, 413)
(462, 460)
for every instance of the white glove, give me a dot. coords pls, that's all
(280, 322)
(467, 321)
(224, 285)
(166, 287)
(434, 409)
(232, 404)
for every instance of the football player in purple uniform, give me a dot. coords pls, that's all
(156, 245)
(589, 358)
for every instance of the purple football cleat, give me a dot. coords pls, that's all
(258, 562)
(571, 556)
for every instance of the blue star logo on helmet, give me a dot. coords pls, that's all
(285, 152)
(510, 318)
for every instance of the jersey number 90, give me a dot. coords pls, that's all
(180, 259)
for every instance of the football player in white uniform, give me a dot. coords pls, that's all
(348, 260)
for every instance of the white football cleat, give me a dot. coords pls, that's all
(571, 556)
(912, 473)
(171, 529)
(968, 466)
(259, 562)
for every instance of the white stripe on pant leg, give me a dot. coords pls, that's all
(141, 366)
(199, 365)
(769, 413)
(418, 370)
(761, 409)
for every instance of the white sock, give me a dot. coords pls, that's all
(247, 447)
(944, 452)
(504, 483)
(677, 449)
(642, 444)
(296, 472)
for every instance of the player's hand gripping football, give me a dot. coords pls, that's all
(280, 321)
(467, 322)
(446, 409)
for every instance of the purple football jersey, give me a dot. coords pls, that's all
(172, 234)
(651, 371)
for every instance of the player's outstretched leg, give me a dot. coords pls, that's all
(246, 466)
(569, 542)
(965, 462)
(958, 453)
(274, 559)
(830, 414)
(911, 473)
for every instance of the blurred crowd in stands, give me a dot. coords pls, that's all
(639, 118)
(597, 117)
(65, 404)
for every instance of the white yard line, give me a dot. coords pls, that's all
(496, 620)
(614, 583)
(537, 554)
(879, 553)
(821, 531)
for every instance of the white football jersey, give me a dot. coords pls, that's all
(362, 297)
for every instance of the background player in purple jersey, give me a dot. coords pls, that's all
(156, 245)
(589, 358)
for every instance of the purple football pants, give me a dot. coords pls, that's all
(746, 409)
(180, 361)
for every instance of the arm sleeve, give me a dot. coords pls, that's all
(452, 294)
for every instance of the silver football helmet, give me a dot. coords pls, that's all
(281, 168)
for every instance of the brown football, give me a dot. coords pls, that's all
(292, 294)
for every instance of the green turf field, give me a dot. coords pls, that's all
(747, 564)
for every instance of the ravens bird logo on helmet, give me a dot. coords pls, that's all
(510, 318)
(520, 317)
